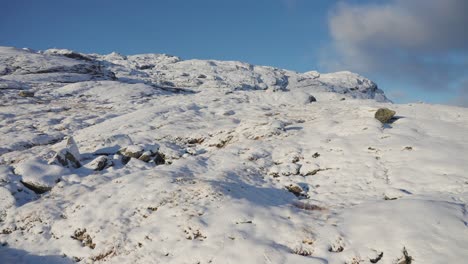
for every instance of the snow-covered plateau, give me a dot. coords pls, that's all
(154, 159)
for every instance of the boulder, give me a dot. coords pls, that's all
(100, 163)
(295, 189)
(69, 156)
(39, 176)
(132, 151)
(384, 115)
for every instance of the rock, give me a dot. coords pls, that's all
(69, 156)
(295, 189)
(146, 156)
(100, 163)
(26, 94)
(312, 99)
(284, 170)
(133, 151)
(405, 259)
(229, 113)
(384, 115)
(159, 159)
(171, 151)
(84, 238)
(39, 189)
(191, 151)
(39, 176)
(309, 169)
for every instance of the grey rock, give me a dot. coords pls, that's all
(38, 189)
(100, 163)
(69, 156)
(133, 151)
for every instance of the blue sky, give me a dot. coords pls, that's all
(300, 35)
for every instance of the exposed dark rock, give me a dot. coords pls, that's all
(159, 159)
(295, 189)
(146, 67)
(26, 94)
(406, 258)
(76, 56)
(312, 99)
(377, 259)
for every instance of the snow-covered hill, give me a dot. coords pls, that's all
(153, 159)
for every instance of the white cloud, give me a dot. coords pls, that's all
(422, 42)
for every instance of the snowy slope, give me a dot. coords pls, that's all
(255, 170)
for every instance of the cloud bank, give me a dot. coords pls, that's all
(421, 42)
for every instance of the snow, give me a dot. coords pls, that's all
(236, 139)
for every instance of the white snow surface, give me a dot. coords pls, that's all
(233, 137)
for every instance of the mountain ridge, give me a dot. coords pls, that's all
(167, 70)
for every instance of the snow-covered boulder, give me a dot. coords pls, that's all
(309, 169)
(132, 151)
(38, 175)
(67, 156)
(99, 163)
